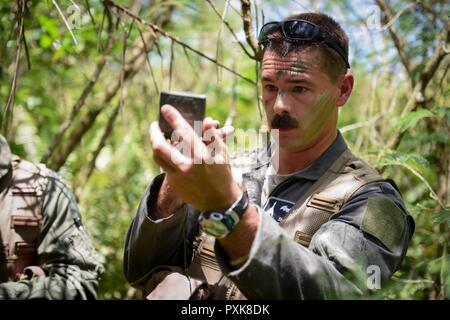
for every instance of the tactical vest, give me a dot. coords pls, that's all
(323, 199)
(21, 210)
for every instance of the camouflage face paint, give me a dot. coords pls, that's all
(313, 120)
(298, 67)
(279, 73)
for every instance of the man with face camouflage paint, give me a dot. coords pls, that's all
(318, 224)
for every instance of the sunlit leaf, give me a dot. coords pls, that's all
(412, 118)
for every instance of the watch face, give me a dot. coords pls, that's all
(213, 225)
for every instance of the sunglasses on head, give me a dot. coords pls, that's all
(301, 30)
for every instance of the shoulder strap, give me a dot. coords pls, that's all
(21, 215)
(327, 196)
(335, 167)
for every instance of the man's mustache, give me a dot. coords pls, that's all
(283, 121)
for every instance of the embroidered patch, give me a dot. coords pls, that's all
(277, 208)
(385, 221)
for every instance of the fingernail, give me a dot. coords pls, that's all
(165, 108)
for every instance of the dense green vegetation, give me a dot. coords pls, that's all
(93, 94)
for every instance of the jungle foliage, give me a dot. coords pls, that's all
(80, 83)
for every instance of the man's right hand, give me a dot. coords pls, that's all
(168, 202)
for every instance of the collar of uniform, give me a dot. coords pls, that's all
(313, 171)
(318, 167)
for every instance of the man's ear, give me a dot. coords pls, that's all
(345, 88)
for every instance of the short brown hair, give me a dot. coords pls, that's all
(332, 63)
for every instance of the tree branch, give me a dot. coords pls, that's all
(428, 8)
(159, 30)
(149, 65)
(438, 55)
(399, 45)
(138, 56)
(87, 172)
(9, 108)
(88, 8)
(126, 34)
(248, 29)
(418, 95)
(230, 29)
(87, 121)
(172, 58)
(27, 54)
(57, 138)
(65, 22)
(233, 105)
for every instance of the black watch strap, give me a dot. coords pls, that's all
(240, 205)
(219, 224)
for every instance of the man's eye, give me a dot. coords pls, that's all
(270, 87)
(299, 89)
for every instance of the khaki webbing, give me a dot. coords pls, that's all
(21, 205)
(327, 196)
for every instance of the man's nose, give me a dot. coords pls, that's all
(280, 105)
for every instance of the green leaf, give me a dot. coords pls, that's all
(413, 158)
(45, 41)
(49, 25)
(443, 112)
(443, 216)
(411, 119)
(418, 159)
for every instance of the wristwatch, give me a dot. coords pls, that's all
(219, 224)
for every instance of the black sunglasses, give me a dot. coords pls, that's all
(301, 30)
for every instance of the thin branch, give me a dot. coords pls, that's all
(75, 4)
(149, 65)
(86, 123)
(132, 67)
(219, 47)
(122, 69)
(190, 62)
(27, 54)
(222, 18)
(248, 29)
(86, 174)
(236, 10)
(433, 194)
(159, 52)
(429, 9)
(159, 30)
(9, 108)
(438, 55)
(57, 138)
(234, 98)
(413, 281)
(258, 100)
(65, 21)
(172, 58)
(102, 24)
(361, 124)
(88, 7)
(424, 79)
(255, 5)
(444, 76)
(395, 38)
